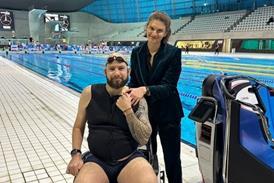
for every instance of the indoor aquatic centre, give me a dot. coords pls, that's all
(187, 96)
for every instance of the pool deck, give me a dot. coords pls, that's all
(36, 119)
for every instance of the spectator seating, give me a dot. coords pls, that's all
(217, 22)
(256, 21)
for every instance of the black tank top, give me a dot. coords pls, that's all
(109, 135)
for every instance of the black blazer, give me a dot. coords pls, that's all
(164, 103)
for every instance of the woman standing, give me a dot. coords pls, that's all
(155, 71)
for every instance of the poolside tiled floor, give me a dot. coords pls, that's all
(36, 119)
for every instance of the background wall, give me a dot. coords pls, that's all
(85, 27)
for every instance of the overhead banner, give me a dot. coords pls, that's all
(6, 20)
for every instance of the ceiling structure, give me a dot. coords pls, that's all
(121, 11)
(50, 5)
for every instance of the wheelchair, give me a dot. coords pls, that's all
(152, 159)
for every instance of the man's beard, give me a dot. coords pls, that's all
(116, 85)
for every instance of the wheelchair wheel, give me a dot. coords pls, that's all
(162, 176)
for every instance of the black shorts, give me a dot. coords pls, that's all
(114, 168)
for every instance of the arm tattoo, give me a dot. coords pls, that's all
(139, 124)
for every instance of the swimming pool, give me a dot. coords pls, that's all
(78, 71)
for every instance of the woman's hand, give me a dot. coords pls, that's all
(137, 94)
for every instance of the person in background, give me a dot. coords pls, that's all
(155, 71)
(217, 49)
(115, 131)
(187, 49)
(271, 19)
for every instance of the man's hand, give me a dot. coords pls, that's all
(124, 102)
(75, 165)
(137, 94)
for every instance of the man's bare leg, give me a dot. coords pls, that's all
(91, 173)
(136, 171)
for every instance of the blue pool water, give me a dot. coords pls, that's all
(79, 71)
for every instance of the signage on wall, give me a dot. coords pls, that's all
(6, 20)
(51, 17)
(65, 22)
(196, 44)
(62, 21)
